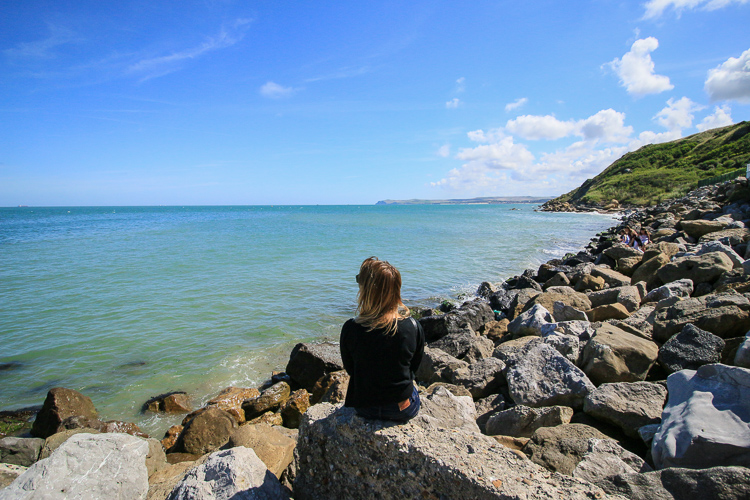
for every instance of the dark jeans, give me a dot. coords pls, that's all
(391, 411)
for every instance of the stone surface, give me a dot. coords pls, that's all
(742, 356)
(564, 312)
(20, 451)
(474, 314)
(567, 345)
(231, 399)
(612, 278)
(717, 483)
(344, 456)
(681, 288)
(717, 246)
(55, 440)
(590, 283)
(690, 349)
(269, 400)
(699, 268)
(465, 344)
(530, 322)
(559, 279)
(171, 436)
(87, 466)
(648, 269)
(607, 312)
(561, 448)
(726, 315)
(173, 402)
(207, 432)
(156, 459)
(487, 407)
(543, 377)
(706, 422)
(506, 351)
(292, 409)
(580, 329)
(273, 448)
(9, 473)
(481, 378)
(627, 405)
(605, 458)
(442, 409)
(59, 405)
(162, 482)
(621, 251)
(308, 362)
(732, 237)
(522, 421)
(330, 388)
(698, 228)
(236, 474)
(438, 366)
(628, 265)
(614, 355)
(566, 295)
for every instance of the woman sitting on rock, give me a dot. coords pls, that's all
(382, 347)
(625, 236)
(643, 239)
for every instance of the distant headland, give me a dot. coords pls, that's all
(487, 200)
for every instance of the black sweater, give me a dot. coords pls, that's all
(381, 366)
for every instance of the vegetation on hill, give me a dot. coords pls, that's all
(660, 172)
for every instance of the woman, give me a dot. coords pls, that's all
(643, 239)
(382, 347)
(625, 236)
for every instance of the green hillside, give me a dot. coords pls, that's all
(663, 171)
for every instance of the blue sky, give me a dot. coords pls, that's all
(222, 102)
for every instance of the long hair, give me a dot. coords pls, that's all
(379, 296)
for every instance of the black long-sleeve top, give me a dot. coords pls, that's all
(380, 366)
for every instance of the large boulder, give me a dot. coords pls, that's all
(613, 355)
(681, 288)
(87, 466)
(343, 456)
(690, 349)
(706, 422)
(726, 315)
(698, 228)
(482, 378)
(55, 440)
(518, 304)
(716, 483)
(508, 351)
(621, 251)
(733, 237)
(627, 405)
(171, 402)
(60, 404)
(612, 278)
(237, 474)
(438, 366)
(474, 314)
(331, 388)
(465, 344)
(272, 447)
(442, 409)
(269, 400)
(20, 451)
(562, 447)
(605, 458)
(292, 409)
(308, 362)
(530, 322)
(648, 270)
(231, 399)
(704, 268)
(543, 377)
(717, 246)
(522, 421)
(566, 295)
(9, 473)
(207, 432)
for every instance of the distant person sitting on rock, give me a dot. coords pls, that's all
(625, 236)
(643, 239)
(382, 347)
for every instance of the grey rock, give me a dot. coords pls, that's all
(567, 345)
(522, 421)
(706, 422)
(438, 366)
(742, 357)
(344, 456)
(690, 349)
(614, 355)
(487, 407)
(612, 278)
(530, 322)
(621, 251)
(442, 409)
(309, 361)
(508, 351)
(55, 440)
(717, 246)
(9, 473)
(561, 448)
(580, 329)
(465, 344)
(679, 288)
(87, 466)
(647, 432)
(546, 378)
(699, 268)
(236, 474)
(726, 315)
(627, 405)
(605, 458)
(273, 448)
(474, 314)
(20, 451)
(481, 378)
(564, 312)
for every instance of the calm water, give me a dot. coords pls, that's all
(126, 303)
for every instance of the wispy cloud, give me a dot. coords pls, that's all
(154, 67)
(273, 90)
(636, 69)
(453, 103)
(349, 72)
(461, 85)
(44, 48)
(518, 103)
(655, 8)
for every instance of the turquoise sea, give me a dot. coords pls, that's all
(126, 303)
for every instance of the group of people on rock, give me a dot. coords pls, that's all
(636, 240)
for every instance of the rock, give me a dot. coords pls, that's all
(614, 355)
(465, 344)
(344, 456)
(273, 448)
(565, 295)
(580, 329)
(558, 279)
(627, 405)
(486, 289)
(690, 349)
(481, 378)
(648, 270)
(237, 474)
(231, 399)
(269, 417)
(717, 246)
(698, 228)
(620, 251)
(507, 351)
(716, 483)
(162, 482)
(116, 426)
(606, 312)
(331, 388)
(628, 265)
(681, 288)
(171, 436)
(567, 345)
(590, 283)
(487, 407)
(605, 458)
(742, 356)
(561, 448)
(293, 408)
(308, 362)
(563, 312)
(699, 269)
(60, 404)
(546, 378)
(269, 400)
(732, 237)
(20, 451)
(441, 409)
(514, 443)
(454, 389)
(495, 330)
(520, 300)
(9, 473)
(207, 432)
(172, 402)
(612, 278)
(530, 322)
(475, 314)
(706, 420)
(522, 421)
(726, 315)
(156, 459)
(87, 466)
(438, 366)
(502, 299)
(55, 440)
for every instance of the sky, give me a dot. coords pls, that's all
(221, 102)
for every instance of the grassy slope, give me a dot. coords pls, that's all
(662, 171)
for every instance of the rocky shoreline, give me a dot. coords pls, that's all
(611, 373)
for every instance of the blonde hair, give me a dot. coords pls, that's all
(379, 296)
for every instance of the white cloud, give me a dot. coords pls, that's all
(43, 49)
(677, 115)
(731, 80)
(444, 151)
(535, 127)
(518, 103)
(721, 117)
(273, 90)
(607, 126)
(453, 103)
(636, 69)
(655, 8)
(461, 84)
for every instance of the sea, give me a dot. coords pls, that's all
(125, 303)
